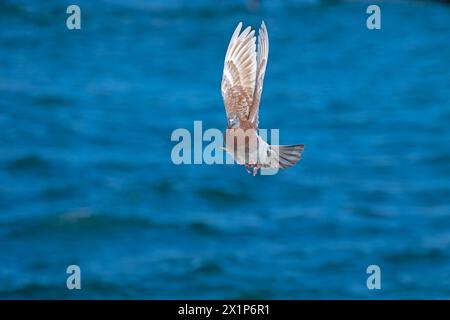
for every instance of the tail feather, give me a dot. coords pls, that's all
(289, 155)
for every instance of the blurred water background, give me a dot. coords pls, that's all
(86, 176)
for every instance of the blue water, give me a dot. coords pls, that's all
(86, 176)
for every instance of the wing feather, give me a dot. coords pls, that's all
(239, 72)
(263, 56)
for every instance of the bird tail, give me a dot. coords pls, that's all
(289, 155)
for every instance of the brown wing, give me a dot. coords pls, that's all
(239, 73)
(263, 55)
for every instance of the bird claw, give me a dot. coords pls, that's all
(254, 169)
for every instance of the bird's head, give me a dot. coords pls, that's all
(233, 122)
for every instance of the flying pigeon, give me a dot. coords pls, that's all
(242, 83)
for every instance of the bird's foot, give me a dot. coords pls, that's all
(255, 170)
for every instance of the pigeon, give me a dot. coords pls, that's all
(242, 84)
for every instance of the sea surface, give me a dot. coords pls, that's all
(86, 176)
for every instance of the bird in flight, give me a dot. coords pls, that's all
(242, 84)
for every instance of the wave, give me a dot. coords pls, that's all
(28, 162)
(77, 221)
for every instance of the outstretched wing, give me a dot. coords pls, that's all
(239, 73)
(263, 55)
